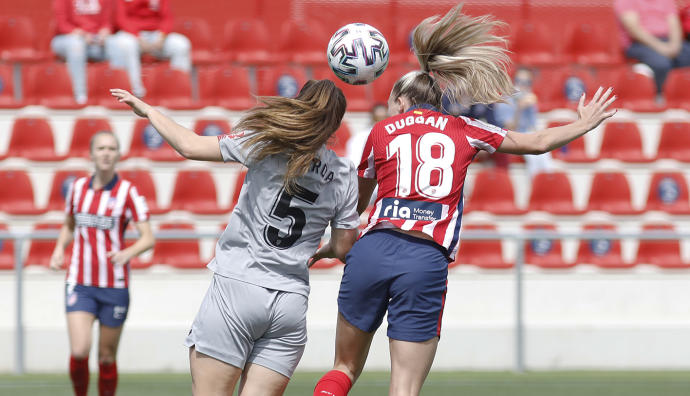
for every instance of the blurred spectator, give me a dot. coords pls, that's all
(519, 113)
(355, 144)
(83, 31)
(651, 33)
(145, 27)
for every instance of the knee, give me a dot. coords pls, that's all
(80, 352)
(106, 354)
(76, 49)
(179, 44)
(660, 64)
(125, 43)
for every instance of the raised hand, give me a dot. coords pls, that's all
(594, 112)
(139, 107)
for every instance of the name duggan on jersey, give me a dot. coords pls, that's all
(439, 123)
(395, 208)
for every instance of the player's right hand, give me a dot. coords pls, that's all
(140, 107)
(57, 259)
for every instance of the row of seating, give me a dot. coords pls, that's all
(544, 253)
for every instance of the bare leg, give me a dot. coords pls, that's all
(79, 326)
(211, 377)
(351, 348)
(410, 364)
(108, 341)
(261, 381)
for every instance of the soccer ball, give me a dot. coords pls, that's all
(358, 53)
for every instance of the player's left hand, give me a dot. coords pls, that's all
(595, 111)
(139, 107)
(119, 258)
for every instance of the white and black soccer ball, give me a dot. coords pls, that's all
(358, 53)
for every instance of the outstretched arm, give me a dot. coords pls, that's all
(589, 117)
(186, 142)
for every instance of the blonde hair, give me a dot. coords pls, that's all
(295, 127)
(460, 58)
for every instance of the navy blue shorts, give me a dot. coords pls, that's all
(109, 305)
(405, 275)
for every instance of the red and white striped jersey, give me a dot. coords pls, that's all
(101, 217)
(420, 161)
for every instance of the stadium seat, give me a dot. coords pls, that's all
(17, 40)
(381, 87)
(661, 253)
(143, 181)
(674, 142)
(7, 92)
(101, 79)
(610, 192)
(178, 253)
(62, 180)
(303, 42)
(247, 41)
(481, 253)
(17, 193)
(6, 251)
(493, 193)
(211, 126)
(604, 253)
(198, 31)
(573, 151)
(40, 250)
(32, 139)
(83, 130)
(621, 140)
(172, 88)
(551, 192)
(201, 199)
(283, 81)
(338, 141)
(677, 89)
(239, 182)
(536, 45)
(635, 91)
(593, 44)
(544, 253)
(552, 83)
(357, 95)
(668, 192)
(148, 143)
(49, 84)
(227, 86)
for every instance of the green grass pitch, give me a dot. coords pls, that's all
(590, 383)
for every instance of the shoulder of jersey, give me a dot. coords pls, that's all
(343, 163)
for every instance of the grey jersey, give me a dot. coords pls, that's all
(272, 234)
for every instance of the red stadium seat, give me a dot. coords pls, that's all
(49, 84)
(635, 91)
(178, 253)
(593, 44)
(247, 41)
(668, 192)
(677, 89)
(17, 193)
(357, 95)
(674, 142)
(338, 141)
(7, 92)
(62, 180)
(550, 86)
(573, 151)
(537, 45)
(239, 182)
(611, 193)
(493, 192)
(32, 138)
(17, 39)
(383, 85)
(551, 192)
(303, 42)
(143, 181)
(172, 88)
(661, 253)
(83, 130)
(622, 141)
(41, 250)
(148, 143)
(226, 86)
(280, 81)
(544, 253)
(212, 126)
(6, 251)
(604, 253)
(201, 199)
(101, 79)
(481, 253)
(198, 31)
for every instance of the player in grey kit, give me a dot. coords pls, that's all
(252, 322)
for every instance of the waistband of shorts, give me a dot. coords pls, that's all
(413, 239)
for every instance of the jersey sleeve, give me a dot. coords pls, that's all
(483, 136)
(346, 215)
(232, 147)
(69, 207)
(367, 165)
(135, 206)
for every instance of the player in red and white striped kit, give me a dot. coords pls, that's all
(98, 210)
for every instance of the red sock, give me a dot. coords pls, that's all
(334, 383)
(107, 379)
(79, 373)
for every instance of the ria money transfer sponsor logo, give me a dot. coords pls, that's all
(396, 208)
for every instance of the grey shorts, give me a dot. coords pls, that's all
(240, 323)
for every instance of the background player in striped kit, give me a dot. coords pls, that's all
(419, 158)
(99, 209)
(252, 322)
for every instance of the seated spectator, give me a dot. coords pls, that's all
(145, 27)
(651, 32)
(519, 113)
(83, 31)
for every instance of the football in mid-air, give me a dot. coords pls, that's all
(358, 53)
